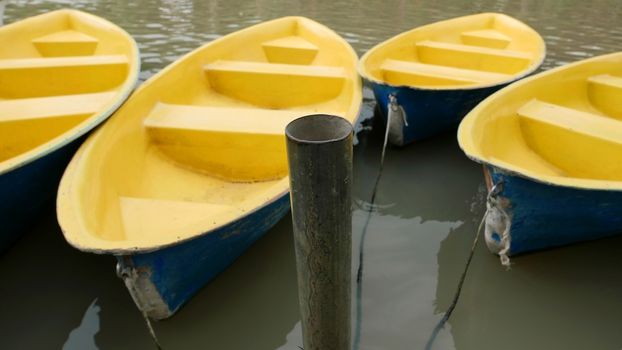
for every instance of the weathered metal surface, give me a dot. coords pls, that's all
(166, 279)
(545, 216)
(319, 149)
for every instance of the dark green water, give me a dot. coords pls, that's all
(429, 202)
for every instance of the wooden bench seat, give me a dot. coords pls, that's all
(490, 38)
(290, 50)
(414, 73)
(605, 92)
(237, 144)
(472, 57)
(66, 43)
(580, 143)
(50, 76)
(275, 85)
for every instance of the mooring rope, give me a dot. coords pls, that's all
(128, 275)
(450, 309)
(491, 204)
(494, 207)
(359, 273)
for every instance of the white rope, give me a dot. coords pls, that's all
(372, 204)
(386, 131)
(492, 204)
(129, 277)
(498, 220)
(441, 323)
(396, 120)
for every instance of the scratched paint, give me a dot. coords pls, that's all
(429, 202)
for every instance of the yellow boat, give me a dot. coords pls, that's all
(551, 148)
(193, 169)
(61, 74)
(431, 76)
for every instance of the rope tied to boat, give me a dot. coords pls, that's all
(396, 120)
(129, 274)
(392, 108)
(493, 203)
(498, 221)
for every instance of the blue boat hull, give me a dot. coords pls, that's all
(545, 216)
(430, 112)
(161, 281)
(25, 191)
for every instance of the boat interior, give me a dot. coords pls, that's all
(202, 143)
(466, 52)
(563, 124)
(56, 71)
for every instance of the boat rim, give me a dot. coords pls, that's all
(67, 182)
(533, 67)
(472, 152)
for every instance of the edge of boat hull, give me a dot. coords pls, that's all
(25, 191)
(545, 216)
(166, 279)
(430, 112)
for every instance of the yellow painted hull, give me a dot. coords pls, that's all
(61, 74)
(201, 144)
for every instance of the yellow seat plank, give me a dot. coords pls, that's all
(237, 144)
(36, 77)
(221, 119)
(581, 144)
(570, 119)
(607, 79)
(491, 38)
(472, 57)
(53, 107)
(28, 123)
(290, 50)
(414, 73)
(66, 43)
(55, 62)
(275, 85)
(605, 91)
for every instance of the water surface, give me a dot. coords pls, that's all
(429, 202)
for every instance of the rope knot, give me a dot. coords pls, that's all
(498, 225)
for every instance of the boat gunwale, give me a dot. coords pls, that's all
(474, 153)
(67, 183)
(514, 77)
(75, 133)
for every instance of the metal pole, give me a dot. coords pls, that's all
(319, 150)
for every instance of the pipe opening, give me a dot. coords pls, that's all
(318, 128)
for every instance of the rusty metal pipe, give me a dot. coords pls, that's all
(319, 150)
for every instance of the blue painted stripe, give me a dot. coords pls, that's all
(546, 216)
(430, 112)
(178, 272)
(25, 191)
